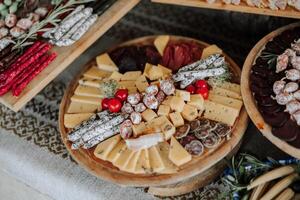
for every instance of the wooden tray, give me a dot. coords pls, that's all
(66, 55)
(243, 7)
(251, 108)
(107, 171)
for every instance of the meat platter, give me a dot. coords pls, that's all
(154, 111)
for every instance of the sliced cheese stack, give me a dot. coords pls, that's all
(224, 103)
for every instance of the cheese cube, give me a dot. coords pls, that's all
(164, 148)
(143, 163)
(117, 76)
(88, 91)
(84, 99)
(225, 93)
(167, 101)
(148, 66)
(156, 162)
(185, 95)
(197, 101)
(96, 73)
(72, 120)
(177, 154)
(104, 148)
(91, 82)
(189, 112)
(126, 84)
(155, 73)
(161, 42)
(76, 107)
(163, 110)
(124, 158)
(168, 129)
(210, 50)
(131, 76)
(220, 113)
(177, 103)
(132, 90)
(155, 124)
(138, 129)
(166, 71)
(226, 101)
(176, 119)
(116, 152)
(148, 115)
(131, 165)
(141, 83)
(105, 63)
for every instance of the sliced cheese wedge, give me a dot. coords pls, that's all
(131, 165)
(148, 66)
(91, 82)
(164, 149)
(104, 148)
(88, 91)
(226, 101)
(123, 159)
(166, 71)
(105, 63)
(141, 83)
(116, 76)
(177, 154)
(225, 93)
(85, 99)
(156, 161)
(218, 112)
(116, 152)
(72, 120)
(79, 107)
(210, 50)
(161, 42)
(231, 86)
(143, 163)
(131, 76)
(96, 73)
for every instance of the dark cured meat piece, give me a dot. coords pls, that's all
(258, 81)
(296, 142)
(187, 139)
(261, 91)
(152, 55)
(265, 101)
(271, 109)
(288, 132)
(5, 52)
(276, 119)
(261, 61)
(271, 47)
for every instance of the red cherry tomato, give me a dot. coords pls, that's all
(104, 103)
(191, 89)
(201, 84)
(121, 94)
(114, 105)
(203, 92)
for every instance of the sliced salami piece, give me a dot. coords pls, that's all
(126, 129)
(211, 141)
(167, 86)
(182, 131)
(127, 108)
(203, 132)
(160, 97)
(195, 147)
(195, 126)
(140, 107)
(134, 99)
(288, 132)
(150, 101)
(222, 130)
(187, 139)
(152, 89)
(136, 117)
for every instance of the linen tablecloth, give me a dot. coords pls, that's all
(30, 146)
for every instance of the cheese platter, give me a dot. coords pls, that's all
(142, 124)
(273, 101)
(279, 8)
(82, 31)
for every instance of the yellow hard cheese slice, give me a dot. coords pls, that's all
(88, 91)
(189, 112)
(131, 76)
(105, 63)
(104, 148)
(197, 101)
(166, 71)
(225, 93)
(185, 95)
(176, 119)
(231, 86)
(96, 73)
(218, 112)
(226, 101)
(90, 82)
(141, 83)
(177, 154)
(177, 103)
(212, 49)
(77, 107)
(168, 129)
(116, 152)
(143, 163)
(131, 165)
(156, 162)
(126, 84)
(72, 120)
(161, 42)
(85, 99)
(164, 149)
(115, 76)
(124, 158)
(163, 110)
(155, 73)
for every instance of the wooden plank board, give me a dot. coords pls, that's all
(243, 7)
(66, 55)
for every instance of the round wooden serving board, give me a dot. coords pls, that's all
(251, 108)
(198, 165)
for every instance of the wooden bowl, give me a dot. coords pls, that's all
(250, 104)
(105, 170)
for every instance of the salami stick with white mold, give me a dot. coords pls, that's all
(84, 27)
(99, 138)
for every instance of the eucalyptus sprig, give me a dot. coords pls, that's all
(52, 18)
(270, 57)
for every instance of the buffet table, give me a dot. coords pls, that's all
(31, 149)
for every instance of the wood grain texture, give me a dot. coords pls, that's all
(66, 55)
(107, 171)
(243, 7)
(251, 108)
